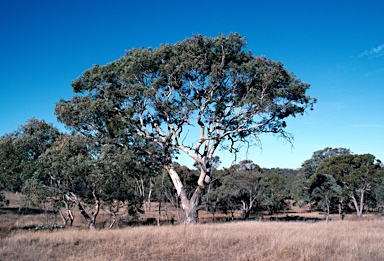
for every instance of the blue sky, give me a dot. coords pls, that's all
(336, 46)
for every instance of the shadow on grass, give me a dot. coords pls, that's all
(295, 218)
(25, 211)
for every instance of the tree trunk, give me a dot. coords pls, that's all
(113, 213)
(359, 209)
(159, 211)
(341, 209)
(246, 214)
(114, 220)
(246, 210)
(67, 219)
(161, 200)
(91, 220)
(327, 202)
(68, 211)
(149, 195)
(189, 208)
(232, 214)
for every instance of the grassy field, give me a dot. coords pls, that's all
(252, 240)
(351, 239)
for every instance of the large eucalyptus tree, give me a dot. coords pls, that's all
(210, 84)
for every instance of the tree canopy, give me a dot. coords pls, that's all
(310, 165)
(20, 149)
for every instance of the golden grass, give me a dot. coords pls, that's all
(337, 240)
(351, 239)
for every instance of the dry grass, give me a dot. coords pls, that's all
(338, 240)
(351, 239)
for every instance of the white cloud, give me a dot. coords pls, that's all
(373, 52)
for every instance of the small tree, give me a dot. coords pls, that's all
(244, 186)
(20, 150)
(324, 190)
(274, 193)
(158, 95)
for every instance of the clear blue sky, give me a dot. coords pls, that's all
(336, 46)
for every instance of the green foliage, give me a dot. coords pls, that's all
(245, 165)
(148, 100)
(299, 190)
(324, 190)
(20, 150)
(311, 164)
(76, 165)
(156, 93)
(36, 194)
(246, 187)
(357, 175)
(274, 193)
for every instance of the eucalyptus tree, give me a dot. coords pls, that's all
(243, 187)
(274, 193)
(356, 174)
(324, 190)
(163, 95)
(10, 170)
(20, 150)
(64, 174)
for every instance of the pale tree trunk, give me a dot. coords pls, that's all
(142, 192)
(189, 213)
(161, 199)
(114, 220)
(67, 219)
(327, 202)
(113, 212)
(359, 209)
(245, 210)
(91, 220)
(149, 195)
(341, 209)
(189, 207)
